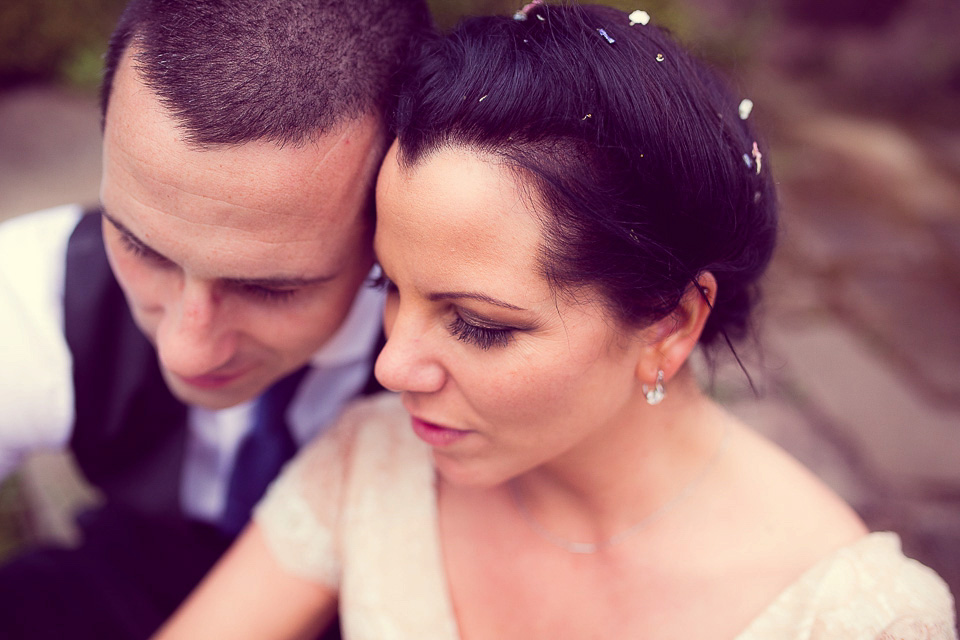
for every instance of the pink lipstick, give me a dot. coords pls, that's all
(435, 435)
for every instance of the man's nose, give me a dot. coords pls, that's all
(195, 336)
(409, 360)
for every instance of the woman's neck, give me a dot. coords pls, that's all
(652, 458)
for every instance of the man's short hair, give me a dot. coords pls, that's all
(234, 71)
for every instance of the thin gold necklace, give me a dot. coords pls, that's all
(594, 547)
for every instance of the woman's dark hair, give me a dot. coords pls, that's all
(634, 147)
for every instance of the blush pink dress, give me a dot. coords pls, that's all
(356, 511)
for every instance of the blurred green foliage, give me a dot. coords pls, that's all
(675, 15)
(63, 40)
(727, 40)
(901, 57)
(446, 13)
(55, 39)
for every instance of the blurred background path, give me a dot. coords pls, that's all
(859, 370)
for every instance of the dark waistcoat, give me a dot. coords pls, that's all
(130, 432)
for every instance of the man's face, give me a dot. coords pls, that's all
(238, 262)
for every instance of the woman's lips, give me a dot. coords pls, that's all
(435, 435)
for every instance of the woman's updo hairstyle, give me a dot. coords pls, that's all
(633, 146)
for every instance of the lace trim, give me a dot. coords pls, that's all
(299, 541)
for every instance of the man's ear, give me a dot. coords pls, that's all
(671, 340)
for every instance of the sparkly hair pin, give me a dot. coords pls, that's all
(639, 17)
(524, 13)
(606, 36)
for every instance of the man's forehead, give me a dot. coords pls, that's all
(255, 185)
(235, 210)
(331, 165)
(156, 145)
(229, 253)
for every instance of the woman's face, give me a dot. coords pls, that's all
(499, 374)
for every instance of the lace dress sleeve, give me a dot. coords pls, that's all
(886, 596)
(866, 591)
(925, 609)
(927, 628)
(300, 513)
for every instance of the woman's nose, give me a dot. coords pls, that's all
(408, 361)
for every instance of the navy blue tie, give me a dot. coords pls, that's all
(262, 453)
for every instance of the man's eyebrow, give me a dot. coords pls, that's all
(459, 295)
(278, 282)
(130, 236)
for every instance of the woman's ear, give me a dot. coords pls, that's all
(670, 341)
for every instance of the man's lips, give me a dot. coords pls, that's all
(211, 382)
(436, 435)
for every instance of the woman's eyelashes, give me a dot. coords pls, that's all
(478, 333)
(482, 337)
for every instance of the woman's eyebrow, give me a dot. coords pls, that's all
(452, 295)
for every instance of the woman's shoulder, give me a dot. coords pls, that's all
(367, 452)
(866, 589)
(774, 520)
(783, 490)
(836, 579)
(370, 430)
(372, 410)
(378, 428)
